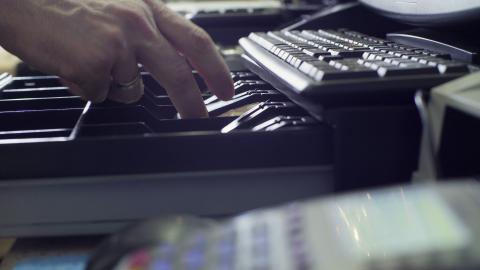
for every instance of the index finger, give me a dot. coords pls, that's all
(197, 46)
(174, 74)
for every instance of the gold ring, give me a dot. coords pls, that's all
(135, 84)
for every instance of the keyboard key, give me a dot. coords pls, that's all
(440, 55)
(390, 60)
(264, 40)
(403, 70)
(375, 64)
(452, 67)
(244, 76)
(328, 58)
(306, 67)
(399, 61)
(380, 56)
(315, 52)
(325, 75)
(296, 62)
(346, 53)
(335, 74)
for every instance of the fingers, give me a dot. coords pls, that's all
(155, 42)
(88, 77)
(173, 72)
(72, 87)
(93, 81)
(197, 46)
(124, 72)
(96, 90)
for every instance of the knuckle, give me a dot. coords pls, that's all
(114, 40)
(120, 9)
(201, 40)
(133, 18)
(148, 36)
(152, 42)
(160, 8)
(136, 18)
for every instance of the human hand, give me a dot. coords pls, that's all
(92, 43)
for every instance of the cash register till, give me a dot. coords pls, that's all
(324, 105)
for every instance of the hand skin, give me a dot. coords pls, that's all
(90, 43)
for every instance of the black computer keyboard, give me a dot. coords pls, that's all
(227, 25)
(331, 64)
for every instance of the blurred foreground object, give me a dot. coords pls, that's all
(416, 227)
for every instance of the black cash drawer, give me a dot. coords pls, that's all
(260, 128)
